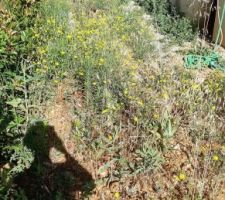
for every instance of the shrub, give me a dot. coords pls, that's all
(17, 19)
(169, 20)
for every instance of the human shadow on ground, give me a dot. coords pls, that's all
(47, 180)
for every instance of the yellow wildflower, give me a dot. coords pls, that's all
(181, 176)
(165, 96)
(81, 73)
(38, 70)
(117, 195)
(101, 61)
(105, 111)
(134, 67)
(69, 37)
(62, 53)
(59, 31)
(215, 157)
(135, 119)
(110, 137)
(119, 18)
(124, 38)
(36, 35)
(126, 92)
(213, 108)
(100, 45)
(156, 116)
(52, 21)
(140, 103)
(42, 51)
(195, 86)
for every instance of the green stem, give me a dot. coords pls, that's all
(220, 26)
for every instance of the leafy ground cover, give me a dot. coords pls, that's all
(169, 20)
(100, 106)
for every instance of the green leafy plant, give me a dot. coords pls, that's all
(169, 127)
(169, 20)
(21, 157)
(149, 160)
(16, 22)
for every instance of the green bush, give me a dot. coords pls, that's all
(16, 46)
(169, 20)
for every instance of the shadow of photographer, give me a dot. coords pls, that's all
(46, 179)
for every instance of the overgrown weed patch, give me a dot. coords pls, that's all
(131, 120)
